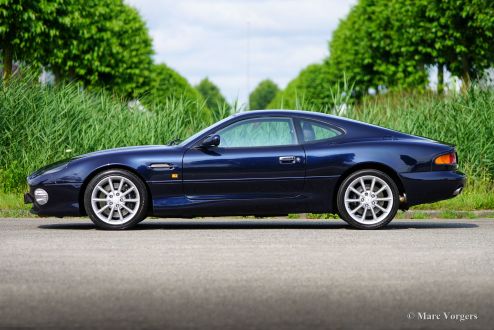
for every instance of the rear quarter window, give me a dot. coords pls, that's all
(317, 131)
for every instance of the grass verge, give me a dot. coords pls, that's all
(12, 206)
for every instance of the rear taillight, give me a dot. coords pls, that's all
(446, 159)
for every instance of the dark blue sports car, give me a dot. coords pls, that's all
(255, 163)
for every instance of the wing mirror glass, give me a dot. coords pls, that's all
(211, 141)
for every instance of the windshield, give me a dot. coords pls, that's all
(195, 136)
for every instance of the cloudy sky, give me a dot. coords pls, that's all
(237, 43)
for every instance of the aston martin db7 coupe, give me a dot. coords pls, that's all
(260, 163)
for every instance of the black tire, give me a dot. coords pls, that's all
(343, 212)
(141, 207)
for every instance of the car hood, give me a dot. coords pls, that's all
(126, 150)
(104, 153)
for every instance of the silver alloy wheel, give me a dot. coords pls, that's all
(368, 199)
(115, 200)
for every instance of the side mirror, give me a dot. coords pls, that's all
(211, 141)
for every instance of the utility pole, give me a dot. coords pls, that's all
(248, 66)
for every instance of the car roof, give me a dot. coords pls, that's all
(288, 113)
(336, 120)
(280, 112)
(357, 128)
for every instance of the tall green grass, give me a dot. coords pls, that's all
(40, 124)
(466, 120)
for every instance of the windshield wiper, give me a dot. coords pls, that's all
(174, 142)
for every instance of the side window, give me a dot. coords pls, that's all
(315, 131)
(259, 132)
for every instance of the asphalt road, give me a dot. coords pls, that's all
(263, 274)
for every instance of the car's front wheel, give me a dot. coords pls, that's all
(368, 199)
(116, 199)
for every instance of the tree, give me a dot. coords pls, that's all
(455, 35)
(24, 28)
(392, 43)
(287, 98)
(211, 94)
(313, 88)
(165, 83)
(263, 94)
(102, 43)
(367, 47)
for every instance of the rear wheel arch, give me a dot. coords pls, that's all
(82, 190)
(369, 166)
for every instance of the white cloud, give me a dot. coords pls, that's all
(212, 38)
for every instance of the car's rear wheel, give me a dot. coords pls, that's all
(368, 199)
(116, 199)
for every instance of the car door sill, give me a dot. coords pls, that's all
(245, 198)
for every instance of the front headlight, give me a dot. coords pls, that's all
(41, 196)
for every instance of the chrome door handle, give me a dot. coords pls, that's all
(287, 160)
(162, 166)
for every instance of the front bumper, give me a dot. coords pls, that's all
(28, 199)
(63, 200)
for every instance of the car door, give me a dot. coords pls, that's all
(257, 159)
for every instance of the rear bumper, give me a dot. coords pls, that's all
(434, 186)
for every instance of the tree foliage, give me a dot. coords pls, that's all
(25, 26)
(457, 34)
(211, 94)
(103, 43)
(100, 43)
(312, 88)
(263, 94)
(165, 83)
(392, 43)
(367, 47)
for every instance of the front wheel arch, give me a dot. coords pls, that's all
(86, 181)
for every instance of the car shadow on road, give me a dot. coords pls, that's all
(242, 224)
